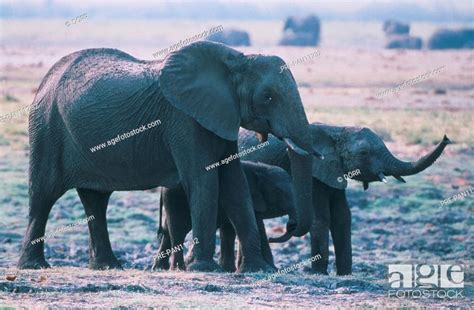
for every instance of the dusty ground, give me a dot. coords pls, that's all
(394, 223)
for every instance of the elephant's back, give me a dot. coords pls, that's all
(91, 96)
(80, 64)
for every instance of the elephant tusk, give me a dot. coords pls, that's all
(262, 137)
(399, 178)
(382, 177)
(318, 155)
(294, 147)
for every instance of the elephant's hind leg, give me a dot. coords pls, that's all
(160, 262)
(95, 204)
(41, 201)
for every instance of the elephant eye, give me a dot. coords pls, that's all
(268, 98)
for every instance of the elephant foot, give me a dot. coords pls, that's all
(344, 272)
(256, 266)
(319, 270)
(177, 268)
(160, 264)
(33, 263)
(204, 266)
(228, 266)
(105, 264)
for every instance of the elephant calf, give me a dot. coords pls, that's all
(350, 152)
(272, 196)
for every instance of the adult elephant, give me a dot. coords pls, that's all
(350, 152)
(455, 39)
(201, 94)
(272, 196)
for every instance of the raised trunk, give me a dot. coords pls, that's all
(401, 168)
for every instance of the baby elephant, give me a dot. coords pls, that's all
(350, 153)
(272, 196)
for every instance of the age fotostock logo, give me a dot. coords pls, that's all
(426, 281)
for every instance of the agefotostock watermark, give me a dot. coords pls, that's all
(63, 229)
(126, 135)
(410, 82)
(426, 281)
(286, 270)
(237, 155)
(182, 43)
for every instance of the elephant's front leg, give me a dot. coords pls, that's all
(341, 233)
(235, 199)
(266, 250)
(202, 193)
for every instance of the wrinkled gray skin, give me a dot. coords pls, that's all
(345, 149)
(231, 37)
(272, 196)
(301, 31)
(202, 94)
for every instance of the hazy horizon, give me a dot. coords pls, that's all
(363, 10)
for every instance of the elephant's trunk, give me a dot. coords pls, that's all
(397, 167)
(301, 173)
(290, 228)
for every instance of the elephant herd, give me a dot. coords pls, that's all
(398, 36)
(305, 31)
(211, 100)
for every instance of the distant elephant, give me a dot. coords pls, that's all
(272, 196)
(391, 27)
(350, 152)
(301, 31)
(231, 37)
(297, 39)
(200, 95)
(456, 39)
(404, 41)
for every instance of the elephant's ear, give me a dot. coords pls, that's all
(196, 79)
(328, 170)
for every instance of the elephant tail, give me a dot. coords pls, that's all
(159, 233)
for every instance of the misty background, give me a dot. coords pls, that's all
(362, 10)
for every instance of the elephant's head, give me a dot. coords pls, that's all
(223, 89)
(362, 152)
